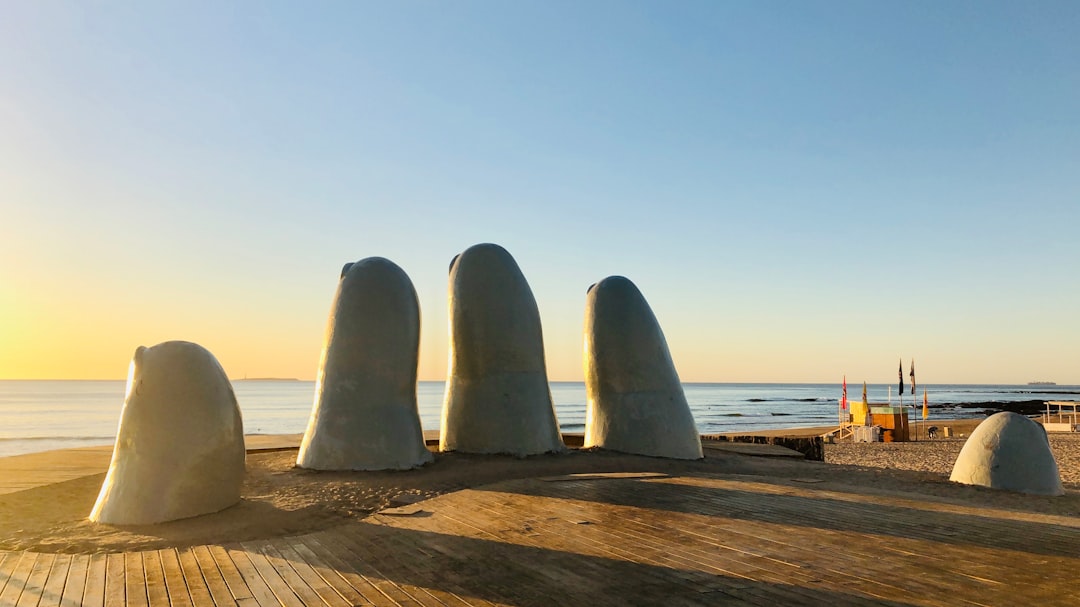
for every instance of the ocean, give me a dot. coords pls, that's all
(45, 415)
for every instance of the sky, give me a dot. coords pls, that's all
(801, 190)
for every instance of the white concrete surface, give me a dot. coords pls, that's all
(1008, 451)
(497, 395)
(365, 415)
(636, 402)
(180, 445)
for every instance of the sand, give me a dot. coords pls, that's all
(938, 455)
(280, 499)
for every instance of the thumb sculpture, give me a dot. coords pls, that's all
(365, 415)
(1008, 451)
(635, 401)
(497, 395)
(180, 445)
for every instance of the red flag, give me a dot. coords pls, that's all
(843, 401)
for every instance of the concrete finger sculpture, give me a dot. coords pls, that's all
(365, 415)
(180, 445)
(1008, 451)
(497, 395)
(635, 401)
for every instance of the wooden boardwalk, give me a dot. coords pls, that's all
(602, 540)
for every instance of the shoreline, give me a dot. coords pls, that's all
(271, 441)
(47, 511)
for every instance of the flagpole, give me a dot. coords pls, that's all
(914, 401)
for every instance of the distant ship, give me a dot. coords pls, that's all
(1041, 383)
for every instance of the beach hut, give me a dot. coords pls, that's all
(892, 421)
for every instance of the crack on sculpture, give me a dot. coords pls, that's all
(365, 414)
(180, 444)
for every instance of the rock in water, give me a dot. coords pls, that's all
(1008, 451)
(636, 402)
(180, 446)
(365, 416)
(497, 395)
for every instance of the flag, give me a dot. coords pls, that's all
(843, 401)
(900, 374)
(912, 374)
(925, 406)
(869, 421)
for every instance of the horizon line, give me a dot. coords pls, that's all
(581, 381)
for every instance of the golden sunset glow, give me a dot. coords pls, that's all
(210, 188)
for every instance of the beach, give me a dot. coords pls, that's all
(280, 499)
(937, 456)
(746, 525)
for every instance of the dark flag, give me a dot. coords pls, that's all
(900, 374)
(912, 375)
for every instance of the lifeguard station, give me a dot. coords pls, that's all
(1061, 416)
(872, 423)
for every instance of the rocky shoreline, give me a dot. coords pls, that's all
(1023, 407)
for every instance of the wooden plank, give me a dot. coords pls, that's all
(785, 577)
(8, 560)
(695, 579)
(193, 578)
(238, 588)
(134, 580)
(467, 569)
(35, 582)
(408, 558)
(509, 578)
(270, 575)
(304, 569)
(763, 536)
(54, 587)
(260, 591)
(488, 515)
(94, 590)
(157, 593)
(175, 585)
(668, 549)
(76, 581)
(307, 595)
(340, 542)
(219, 590)
(115, 586)
(17, 579)
(830, 543)
(326, 570)
(682, 552)
(348, 571)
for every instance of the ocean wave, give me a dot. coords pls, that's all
(55, 438)
(792, 400)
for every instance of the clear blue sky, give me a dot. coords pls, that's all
(800, 189)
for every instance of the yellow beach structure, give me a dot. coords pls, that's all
(891, 421)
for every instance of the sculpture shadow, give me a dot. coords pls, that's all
(814, 511)
(431, 564)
